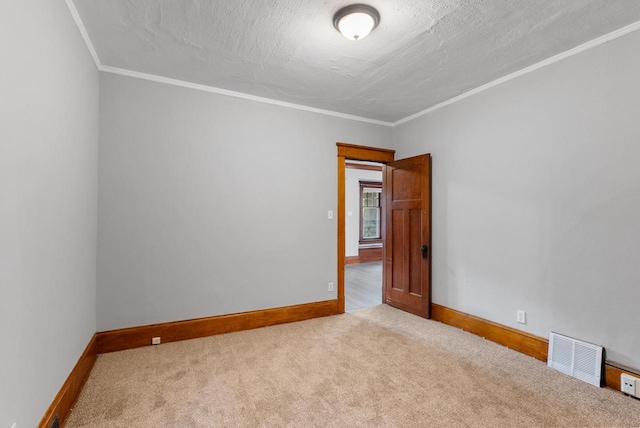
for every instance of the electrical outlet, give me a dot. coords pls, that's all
(521, 317)
(330, 287)
(155, 340)
(629, 384)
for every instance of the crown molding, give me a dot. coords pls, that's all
(559, 57)
(160, 79)
(228, 93)
(83, 32)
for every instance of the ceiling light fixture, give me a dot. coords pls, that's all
(355, 22)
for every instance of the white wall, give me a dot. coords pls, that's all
(212, 205)
(352, 204)
(536, 199)
(48, 204)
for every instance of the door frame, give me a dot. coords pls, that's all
(352, 152)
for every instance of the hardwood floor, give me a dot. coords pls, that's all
(363, 285)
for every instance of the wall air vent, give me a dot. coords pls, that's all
(576, 358)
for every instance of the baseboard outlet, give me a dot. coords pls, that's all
(526, 343)
(136, 337)
(70, 391)
(512, 338)
(612, 375)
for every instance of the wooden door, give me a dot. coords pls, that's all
(407, 239)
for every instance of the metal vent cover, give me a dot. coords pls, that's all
(576, 358)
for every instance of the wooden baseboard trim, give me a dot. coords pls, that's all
(136, 337)
(352, 260)
(365, 255)
(70, 391)
(521, 341)
(612, 377)
(528, 344)
(368, 255)
(117, 340)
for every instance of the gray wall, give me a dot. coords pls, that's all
(48, 204)
(212, 205)
(536, 199)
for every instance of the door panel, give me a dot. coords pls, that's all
(407, 220)
(397, 247)
(405, 187)
(415, 257)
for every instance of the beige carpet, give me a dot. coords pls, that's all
(377, 367)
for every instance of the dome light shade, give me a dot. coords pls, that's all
(355, 22)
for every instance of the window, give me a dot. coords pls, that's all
(370, 212)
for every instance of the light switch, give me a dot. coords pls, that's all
(330, 215)
(350, 213)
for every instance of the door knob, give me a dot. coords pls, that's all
(424, 250)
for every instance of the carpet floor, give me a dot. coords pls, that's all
(376, 367)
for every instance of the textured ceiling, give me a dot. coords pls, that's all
(423, 52)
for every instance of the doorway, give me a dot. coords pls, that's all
(350, 152)
(405, 225)
(363, 234)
